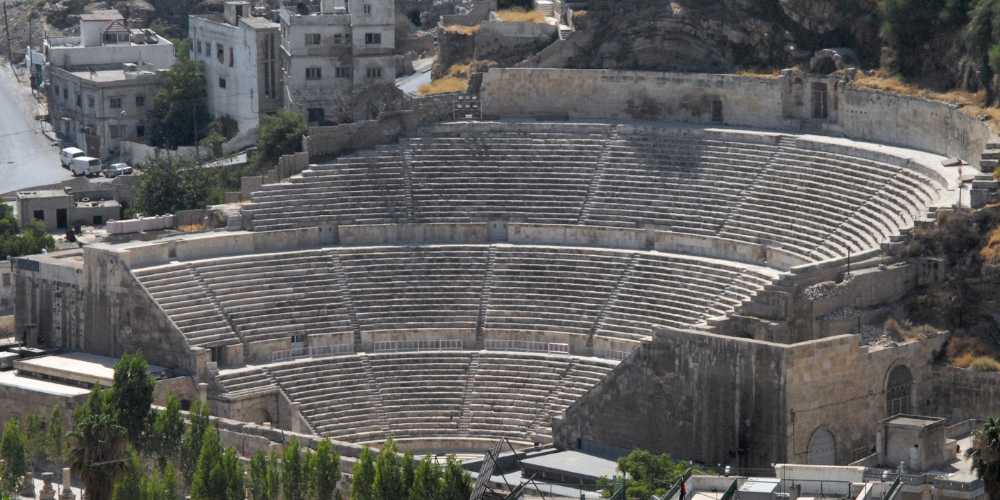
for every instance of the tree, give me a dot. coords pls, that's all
(34, 442)
(192, 442)
(426, 480)
(265, 476)
(15, 241)
(159, 486)
(388, 483)
(408, 471)
(325, 471)
(456, 483)
(985, 453)
(168, 432)
(12, 451)
(171, 184)
(129, 484)
(132, 394)
(56, 441)
(279, 134)
(180, 108)
(218, 475)
(294, 472)
(364, 476)
(649, 474)
(99, 444)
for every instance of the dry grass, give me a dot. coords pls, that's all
(963, 360)
(991, 250)
(769, 75)
(963, 351)
(971, 102)
(465, 30)
(985, 364)
(906, 332)
(191, 228)
(457, 80)
(520, 16)
(444, 85)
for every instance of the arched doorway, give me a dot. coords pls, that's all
(822, 448)
(898, 390)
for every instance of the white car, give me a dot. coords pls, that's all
(117, 169)
(68, 154)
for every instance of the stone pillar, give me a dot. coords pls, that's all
(48, 493)
(203, 392)
(67, 481)
(296, 417)
(28, 486)
(200, 363)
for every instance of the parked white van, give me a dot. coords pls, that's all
(68, 154)
(86, 165)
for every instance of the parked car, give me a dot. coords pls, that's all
(68, 154)
(86, 165)
(116, 169)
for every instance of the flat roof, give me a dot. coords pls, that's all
(913, 421)
(573, 463)
(78, 366)
(102, 15)
(42, 193)
(97, 204)
(259, 22)
(11, 378)
(110, 75)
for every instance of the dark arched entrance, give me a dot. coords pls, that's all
(899, 390)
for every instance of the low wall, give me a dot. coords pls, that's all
(478, 13)
(328, 141)
(210, 245)
(141, 224)
(135, 153)
(381, 234)
(779, 103)
(963, 393)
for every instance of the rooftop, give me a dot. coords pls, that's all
(111, 75)
(572, 463)
(42, 193)
(102, 15)
(76, 366)
(914, 421)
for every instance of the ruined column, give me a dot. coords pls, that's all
(296, 417)
(67, 481)
(202, 392)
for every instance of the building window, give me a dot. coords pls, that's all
(140, 131)
(314, 73)
(312, 38)
(373, 39)
(65, 93)
(232, 57)
(116, 102)
(140, 101)
(343, 72)
(367, 9)
(199, 48)
(374, 72)
(79, 101)
(39, 214)
(222, 83)
(316, 115)
(90, 101)
(338, 39)
(115, 131)
(299, 339)
(55, 88)
(6, 280)
(220, 53)
(98, 220)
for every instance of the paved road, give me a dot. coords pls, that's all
(27, 158)
(422, 74)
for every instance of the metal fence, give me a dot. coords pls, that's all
(418, 345)
(526, 346)
(611, 354)
(311, 352)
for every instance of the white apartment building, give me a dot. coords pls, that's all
(101, 84)
(330, 49)
(241, 63)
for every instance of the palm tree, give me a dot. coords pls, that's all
(985, 453)
(99, 446)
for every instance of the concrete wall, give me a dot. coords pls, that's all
(160, 55)
(781, 103)
(49, 299)
(961, 393)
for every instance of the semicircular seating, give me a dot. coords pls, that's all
(389, 293)
(814, 200)
(430, 395)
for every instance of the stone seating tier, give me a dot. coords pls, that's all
(813, 202)
(429, 394)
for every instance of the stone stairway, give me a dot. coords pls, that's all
(470, 383)
(783, 142)
(991, 157)
(404, 152)
(484, 295)
(598, 175)
(339, 276)
(375, 393)
(612, 298)
(215, 302)
(539, 430)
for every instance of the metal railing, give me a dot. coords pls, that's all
(311, 352)
(417, 345)
(611, 354)
(526, 346)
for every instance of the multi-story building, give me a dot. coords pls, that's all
(332, 48)
(102, 83)
(241, 63)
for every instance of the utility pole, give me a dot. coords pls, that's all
(6, 29)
